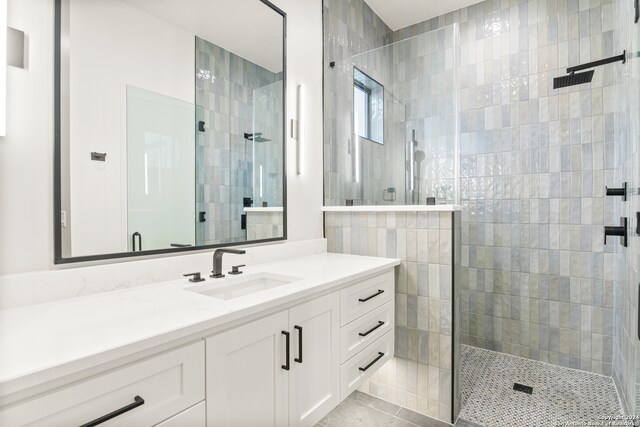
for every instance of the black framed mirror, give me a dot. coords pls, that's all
(169, 126)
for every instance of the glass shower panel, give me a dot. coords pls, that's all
(419, 157)
(266, 146)
(160, 171)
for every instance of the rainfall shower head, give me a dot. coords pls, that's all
(255, 137)
(573, 79)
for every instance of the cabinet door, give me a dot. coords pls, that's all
(246, 383)
(314, 387)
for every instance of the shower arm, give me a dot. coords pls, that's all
(598, 63)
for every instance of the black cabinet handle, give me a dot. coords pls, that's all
(138, 401)
(364, 334)
(286, 365)
(299, 358)
(380, 291)
(380, 356)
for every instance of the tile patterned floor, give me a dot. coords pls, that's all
(559, 394)
(362, 410)
(488, 399)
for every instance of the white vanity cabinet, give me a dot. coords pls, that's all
(144, 393)
(253, 380)
(367, 332)
(289, 365)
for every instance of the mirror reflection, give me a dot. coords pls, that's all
(171, 124)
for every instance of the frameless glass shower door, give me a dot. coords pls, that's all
(393, 126)
(160, 171)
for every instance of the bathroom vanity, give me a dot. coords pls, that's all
(281, 344)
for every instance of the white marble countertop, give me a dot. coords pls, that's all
(48, 341)
(393, 208)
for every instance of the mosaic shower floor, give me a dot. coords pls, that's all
(561, 396)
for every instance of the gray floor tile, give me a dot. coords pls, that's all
(350, 413)
(419, 419)
(374, 402)
(397, 422)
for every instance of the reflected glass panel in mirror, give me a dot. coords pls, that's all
(172, 118)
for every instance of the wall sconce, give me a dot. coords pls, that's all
(3, 67)
(12, 51)
(297, 130)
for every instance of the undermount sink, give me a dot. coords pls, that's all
(235, 287)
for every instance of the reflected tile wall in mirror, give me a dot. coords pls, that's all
(240, 149)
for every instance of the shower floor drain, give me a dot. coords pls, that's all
(523, 388)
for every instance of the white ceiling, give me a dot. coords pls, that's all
(247, 28)
(398, 14)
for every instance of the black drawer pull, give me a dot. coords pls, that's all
(380, 356)
(138, 401)
(380, 291)
(299, 358)
(286, 365)
(364, 334)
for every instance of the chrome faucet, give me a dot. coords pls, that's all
(217, 260)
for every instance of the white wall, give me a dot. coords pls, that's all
(26, 154)
(113, 44)
(304, 66)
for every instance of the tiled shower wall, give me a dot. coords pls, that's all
(538, 281)
(423, 375)
(627, 166)
(225, 87)
(264, 225)
(534, 164)
(425, 84)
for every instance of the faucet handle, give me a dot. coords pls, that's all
(196, 277)
(236, 269)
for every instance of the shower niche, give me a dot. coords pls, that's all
(391, 123)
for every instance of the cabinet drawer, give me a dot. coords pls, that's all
(363, 331)
(364, 296)
(168, 384)
(362, 365)
(193, 417)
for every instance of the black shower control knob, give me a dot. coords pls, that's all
(617, 230)
(619, 191)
